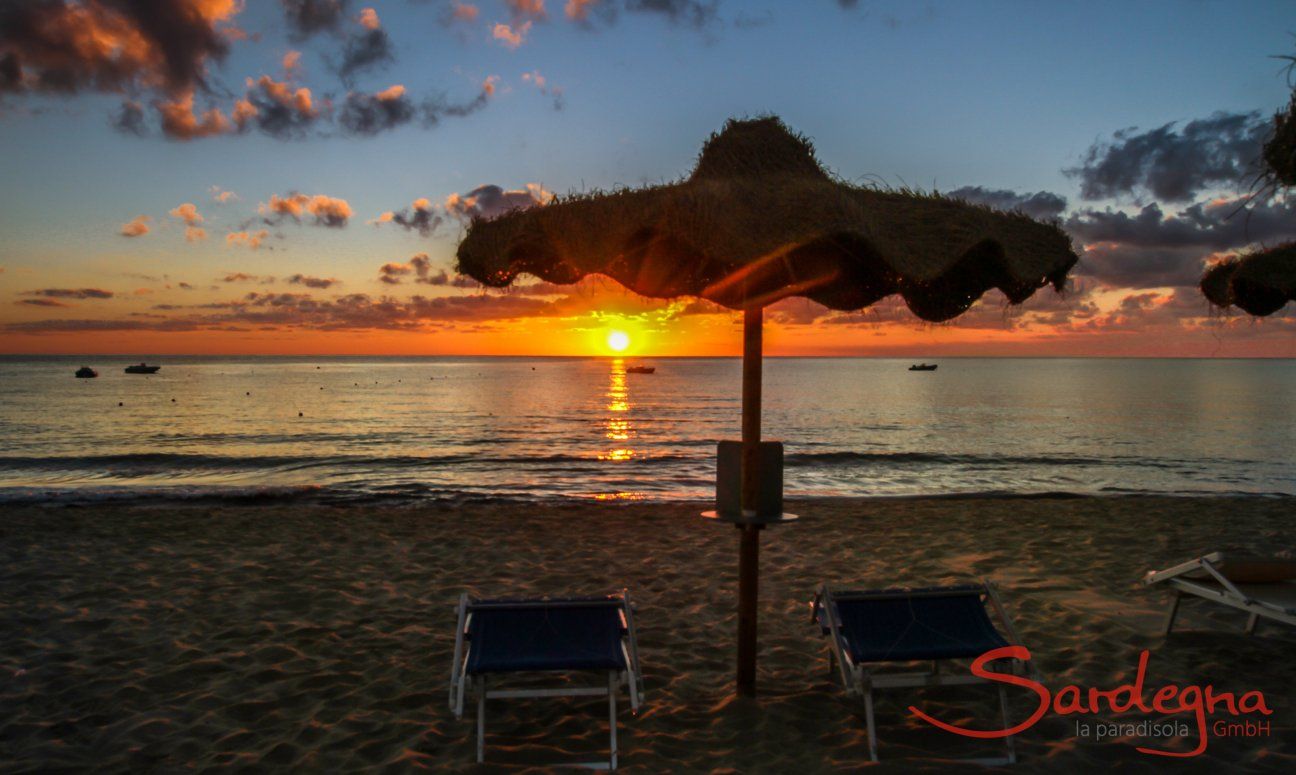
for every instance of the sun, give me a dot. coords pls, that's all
(618, 341)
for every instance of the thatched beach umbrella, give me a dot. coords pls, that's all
(759, 220)
(1260, 283)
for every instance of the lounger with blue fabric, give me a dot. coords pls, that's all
(495, 638)
(1264, 588)
(869, 629)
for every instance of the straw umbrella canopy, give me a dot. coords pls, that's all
(1260, 283)
(759, 220)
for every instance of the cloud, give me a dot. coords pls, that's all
(180, 122)
(419, 216)
(370, 114)
(328, 211)
(115, 46)
(1041, 204)
(355, 311)
(391, 273)
(1213, 225)
(526, 9)
(579, 10)
(42, 303)
(250, 239)
(490, 200)
(308, 17)
(365, 50)
(511, 36)
(1174, 165)
(313, 282)
(1151, 249)
(188, 213)
(136, 227)
(239, 277)
(460, 12)
(222, 196)
(129, 119)
(542, 84)
(419, 265)
(277, 108)
(71, 293)
(689, 13)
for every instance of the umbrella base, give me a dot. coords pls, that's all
(759, 519)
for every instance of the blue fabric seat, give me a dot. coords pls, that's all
(572, 634)
(915, 624)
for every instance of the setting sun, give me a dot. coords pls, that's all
(618, 341)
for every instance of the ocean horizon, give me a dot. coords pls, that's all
(519, 427)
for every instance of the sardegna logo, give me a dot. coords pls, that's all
(1204, 703)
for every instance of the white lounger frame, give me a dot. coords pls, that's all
(461, 682)
(1227, 593)
(860, 681)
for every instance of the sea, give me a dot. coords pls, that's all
(373, 429)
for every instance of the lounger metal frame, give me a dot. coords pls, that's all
(1228, 594)
(461, 682)
(860, 680)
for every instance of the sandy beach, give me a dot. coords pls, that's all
(318, 637)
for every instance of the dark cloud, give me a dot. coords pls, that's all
(355, 311)
(370, 114)
(1152, 249)
(1174, 165)
(277, 108)
(367, 50)
(420, 216)
(420, 266)
(243, 277)
(42, 303)
(690, 13)
(129, 119)
(848, 4)
(308, 17)
(490, 200)
(1041, 204)
(71, 293)
(391, 273)
(313, 282)
(110, 45)
(1214, 225)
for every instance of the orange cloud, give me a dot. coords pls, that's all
(181, 123)
(249, 239)
(463, 12)
(369, 19)
(188, 213)
(328, 211)
(578, 10)
(136, 227)
(510, 36)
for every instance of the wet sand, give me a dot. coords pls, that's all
(319, 637)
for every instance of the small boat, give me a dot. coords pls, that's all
(923, 367)
(142, 368)
(85, 372)
(640, 369)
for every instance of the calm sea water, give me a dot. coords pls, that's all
(455, 427)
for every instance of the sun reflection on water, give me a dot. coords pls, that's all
(617, 426)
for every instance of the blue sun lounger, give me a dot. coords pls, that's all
(867, 629)
(549, 635)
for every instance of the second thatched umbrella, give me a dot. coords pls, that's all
(759, 220)
(1260, 283)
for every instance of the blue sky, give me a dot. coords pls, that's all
(1003, 95)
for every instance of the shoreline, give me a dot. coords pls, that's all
(319, 636)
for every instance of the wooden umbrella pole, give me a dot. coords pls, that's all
(749, 546)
